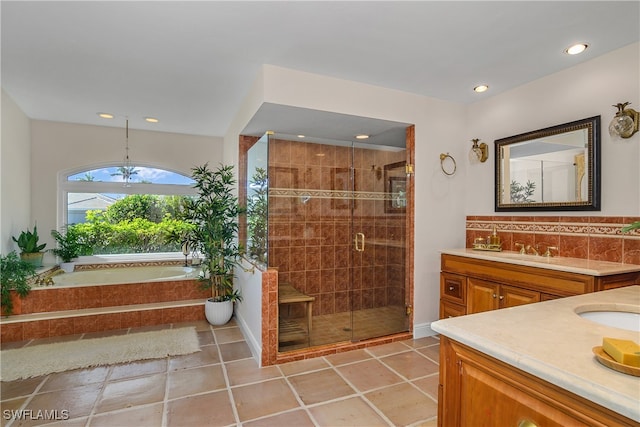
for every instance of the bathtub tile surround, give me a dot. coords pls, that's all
(376, 386)
(586, 237)
(102, 265)
(52, 311)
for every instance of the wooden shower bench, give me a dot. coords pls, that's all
(290, 331)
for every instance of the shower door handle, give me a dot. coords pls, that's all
(359, 239)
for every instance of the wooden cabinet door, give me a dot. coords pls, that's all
(482, 295)
(477, 390)
(511, 297)
(485, 400)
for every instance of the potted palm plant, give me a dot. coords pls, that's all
(214, 215)
(30, 250)
(70, 247)
(14, 276)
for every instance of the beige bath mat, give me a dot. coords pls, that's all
(36, 360)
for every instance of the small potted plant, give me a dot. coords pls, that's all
(69, 247)
(215, 217)
(14, 276)
(30, 250)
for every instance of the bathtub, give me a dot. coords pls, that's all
(121, 275)
(103, 297)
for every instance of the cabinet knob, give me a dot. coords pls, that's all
(494, 295)
(451, 288)
(501, 297)
(527, 423)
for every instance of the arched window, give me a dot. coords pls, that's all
(141, 214)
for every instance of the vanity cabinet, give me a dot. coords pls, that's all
(484, 295)
(471, 285)
(478, 390)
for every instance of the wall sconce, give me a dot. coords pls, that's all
(625, 123)
(479, 153)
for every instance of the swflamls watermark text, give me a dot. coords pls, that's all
(38, 414)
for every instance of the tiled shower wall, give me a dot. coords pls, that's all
(586, 237)
(311, 231)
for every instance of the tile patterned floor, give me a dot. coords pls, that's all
(390, 385)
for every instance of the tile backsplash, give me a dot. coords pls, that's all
(588, 237)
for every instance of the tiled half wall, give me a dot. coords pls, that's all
(587, 237)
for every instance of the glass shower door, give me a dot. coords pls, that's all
(378, 223)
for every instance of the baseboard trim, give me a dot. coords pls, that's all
(252, 342)
(422, 330)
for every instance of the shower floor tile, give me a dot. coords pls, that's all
(339, 327)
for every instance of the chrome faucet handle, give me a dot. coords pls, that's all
(548, 253)
(521, 246)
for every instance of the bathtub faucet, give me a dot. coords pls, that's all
(45, 281)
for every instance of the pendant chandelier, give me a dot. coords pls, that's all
(127, 169)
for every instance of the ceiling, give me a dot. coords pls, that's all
(190, 64)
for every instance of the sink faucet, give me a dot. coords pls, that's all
(521, 246)
(532, 249)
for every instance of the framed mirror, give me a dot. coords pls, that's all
(552, 169)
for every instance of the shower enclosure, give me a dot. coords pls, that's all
(336, 231)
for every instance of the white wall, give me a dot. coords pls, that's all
(249, 311)
(15, 167)
(60, 147)
(585, 90)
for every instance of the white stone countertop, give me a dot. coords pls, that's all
(549, 340)
(571, 265)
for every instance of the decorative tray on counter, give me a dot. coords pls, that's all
(610, 362)
(487, 247)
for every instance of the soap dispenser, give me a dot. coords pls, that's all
(494, 238)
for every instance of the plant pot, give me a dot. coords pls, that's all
(67, 267)
(218, 313)
(33, 258)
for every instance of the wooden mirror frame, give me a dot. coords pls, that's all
(592, 159)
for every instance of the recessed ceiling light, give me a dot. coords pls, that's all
(362, 136)
(105, 115)
(300, 136)
(481, 88)
(151, 120)
(576, 48)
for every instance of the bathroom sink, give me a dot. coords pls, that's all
(618, 317)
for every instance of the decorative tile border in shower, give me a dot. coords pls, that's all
(303, 194)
